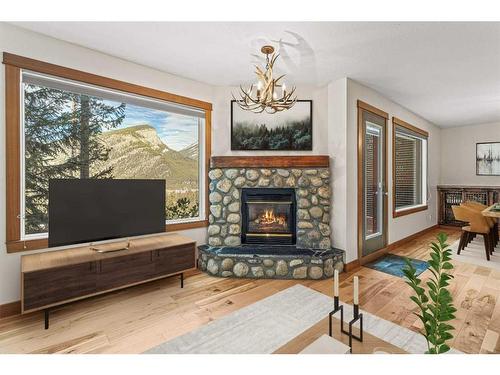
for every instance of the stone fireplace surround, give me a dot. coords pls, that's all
(310, 177)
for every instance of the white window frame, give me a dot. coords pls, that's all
(424, 189)
(202, 134)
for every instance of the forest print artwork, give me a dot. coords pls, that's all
(70, 135)
(488, 159)
(287, 130)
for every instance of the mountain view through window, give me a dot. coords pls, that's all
(73, 135)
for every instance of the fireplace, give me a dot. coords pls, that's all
(268, 216)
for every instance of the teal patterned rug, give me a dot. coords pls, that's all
(394, 264)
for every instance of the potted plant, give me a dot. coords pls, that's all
(435, 303)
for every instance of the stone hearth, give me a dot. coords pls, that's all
(269, 262)
(312, 189)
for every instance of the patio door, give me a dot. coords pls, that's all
(372, 181)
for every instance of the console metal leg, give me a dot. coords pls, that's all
(182, 280)
(46, 315)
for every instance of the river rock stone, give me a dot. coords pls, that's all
(302, 193)
(316, 181)
(315, 272)
(324, 229)
(239, 181)
(300, 272)
(263, 181)
(270, 273)
(297, 172)
(325, 243)
(268, 262)
(252, 175)
(314, 200)
(240, 269)
(224, 185)
(233, 218)
(311, 171)
(313, 235)
(227, 199)
(303, 214)
(215, 174)
(303, 182)
(296, 262)
(236, 194)
(303, 203)
(281, 268)
(265, 172)
(212, 267)
(283, 172)
(304, 225)
(213, 230)
(216, 210)
(324, 192)
(214, 197)
(316, 212)
(227, 264)
(232, 241)
(290, 181)
(234, 229)
(231, 173)
(226, 274)
(277, 181)
(234, 207)
(324, 173)
(257, 271)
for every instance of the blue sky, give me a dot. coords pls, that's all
(176, 131)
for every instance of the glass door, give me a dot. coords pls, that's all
(372, 183)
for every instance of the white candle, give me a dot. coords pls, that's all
(356, 290)
(336, 283)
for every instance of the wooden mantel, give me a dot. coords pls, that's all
(318, 161)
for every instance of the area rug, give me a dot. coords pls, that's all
(266, 325)
(394, 264)
(474, 254)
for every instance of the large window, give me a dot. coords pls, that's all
(410, 168)
(75, 129)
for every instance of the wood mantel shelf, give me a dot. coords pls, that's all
(318, 161)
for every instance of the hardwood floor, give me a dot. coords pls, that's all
(136, 319)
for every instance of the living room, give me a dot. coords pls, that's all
(315, 187)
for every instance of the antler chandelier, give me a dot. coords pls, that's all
(268, 94)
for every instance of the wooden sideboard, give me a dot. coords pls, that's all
(54, 278)
(451, 195)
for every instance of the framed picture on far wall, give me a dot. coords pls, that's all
(287, 130)
(488, 159)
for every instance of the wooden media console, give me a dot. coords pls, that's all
(57, 277)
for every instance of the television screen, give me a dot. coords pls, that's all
(89, 210)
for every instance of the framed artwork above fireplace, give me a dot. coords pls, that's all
(289, 130)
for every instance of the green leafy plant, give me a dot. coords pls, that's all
(435, 303)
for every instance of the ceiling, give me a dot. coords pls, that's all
(448, 73)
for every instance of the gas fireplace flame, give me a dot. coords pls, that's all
(269, 217)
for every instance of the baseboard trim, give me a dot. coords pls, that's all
(348, 267)
(10, 309)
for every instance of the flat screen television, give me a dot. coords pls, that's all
(87, 210)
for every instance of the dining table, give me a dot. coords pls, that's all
(492, 211)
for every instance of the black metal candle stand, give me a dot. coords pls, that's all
(356, 316)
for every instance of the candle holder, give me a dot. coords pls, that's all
(356, 316)
(336, 308)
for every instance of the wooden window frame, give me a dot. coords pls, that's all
(398, 122)
(14, 64)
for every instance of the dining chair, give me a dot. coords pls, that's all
(477, 225)
(493, 223)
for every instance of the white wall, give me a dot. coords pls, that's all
(403, 226)
(458, 154)
(337, 146)
(221, 127)
(18, 41)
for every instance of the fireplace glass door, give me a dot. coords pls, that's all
(268, 216)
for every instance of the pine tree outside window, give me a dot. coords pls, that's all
(409, 169)
(75, 130)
